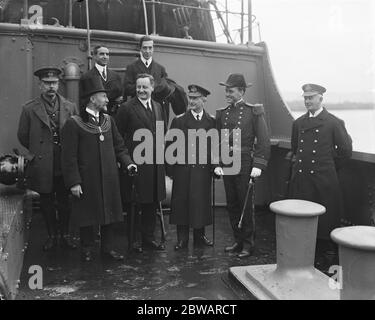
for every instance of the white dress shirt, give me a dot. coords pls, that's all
(200, 114)
(100, 69)
(146, 62)
(316, 113)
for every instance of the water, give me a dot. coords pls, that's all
(360, 124)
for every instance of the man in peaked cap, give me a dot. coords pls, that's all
(91, 148)
(319, 143)
(39, 131)
(191, 193)
(250, 119)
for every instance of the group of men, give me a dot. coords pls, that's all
(89, 153)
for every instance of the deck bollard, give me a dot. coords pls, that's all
(357, 261)
(294, 275)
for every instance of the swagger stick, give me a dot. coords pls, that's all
(250, 186)
(162, 226)
(213, 209)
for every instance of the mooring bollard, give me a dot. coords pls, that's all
(357, 261)
(294, 275)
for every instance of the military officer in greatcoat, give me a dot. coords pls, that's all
(39, 132)
(250, 119)
(191, 193)
(319, 142)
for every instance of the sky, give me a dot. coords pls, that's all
(328, 42)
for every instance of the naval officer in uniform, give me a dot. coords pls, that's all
(191, 193)
(319, 142)
(250, 119)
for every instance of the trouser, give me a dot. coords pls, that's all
(57, 200)
(183, 233)
(87, 236)
(148, 221)
(235, 189)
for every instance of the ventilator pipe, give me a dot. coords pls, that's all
(357, 261)
(72, 73)
(296, 229)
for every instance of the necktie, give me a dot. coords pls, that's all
(104, 75)
(146, 63)
(149, 110)
(198, 117)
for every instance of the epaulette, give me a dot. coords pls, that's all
(29, 102)
(257, 109)
(222, 109)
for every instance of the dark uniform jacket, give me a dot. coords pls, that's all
(113, 84)
(137, 67)
(251, 121)
(150, 181)
(91, 162)
(191, 192)
(35, 134)
(317, 143)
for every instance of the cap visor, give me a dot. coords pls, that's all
(309, 94)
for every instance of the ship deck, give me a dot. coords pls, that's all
(197, 273)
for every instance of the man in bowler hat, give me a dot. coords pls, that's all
(39, 131)
(191, 192)
(250, 119)
(91, 149)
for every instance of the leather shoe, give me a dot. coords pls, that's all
(245, 253)
(67, 243)
(86, 256)
(113, 255)
(50, 244)
(153, 245)
(235, 247)
(203, 241)
(181, 245)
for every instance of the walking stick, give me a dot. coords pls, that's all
(213, 209)
(162, 226)
(250, 186)
(133, 205)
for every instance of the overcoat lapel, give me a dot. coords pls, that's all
(140, 111)
(41, 112)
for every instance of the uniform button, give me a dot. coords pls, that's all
(299, 160)
(317, 130)
(302, 141)
(239, 122)
(40, 157)
(312, 161)
(240, 117)
(316, 141)
(300, 170)
(303, 131)
(225, 124)
(314, 151)
(300, 150)
(312, 171)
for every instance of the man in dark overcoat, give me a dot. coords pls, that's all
(39, 132)
(111, 79)
(319, 140)
(250, 119)
(191, 192)
(91, 148)
(142, 114)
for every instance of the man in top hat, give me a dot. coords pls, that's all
(91, 149)
(39, 131)
(250, 119)
(191, 192)
(142, 113)
(147, 64)
(111, 79)
(319, 142)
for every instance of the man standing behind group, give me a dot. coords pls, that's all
(147, 64)
(191, 193)
(91, 148)
(250, 120)
(111, 79)
(39, 132)
(320, 143)
(141, 112)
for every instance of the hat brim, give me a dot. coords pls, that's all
(93, 92)
(310, 94)
(50, 79)
(232, 86)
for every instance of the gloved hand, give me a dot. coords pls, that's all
(132, 169)
(219, 171)
(76, 190)
(255, 172)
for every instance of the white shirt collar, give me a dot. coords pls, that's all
(144, 103)
(92, 112)
(200, 114)
(149, 61)
(316, 113)
(100, 68)
(239, 101)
